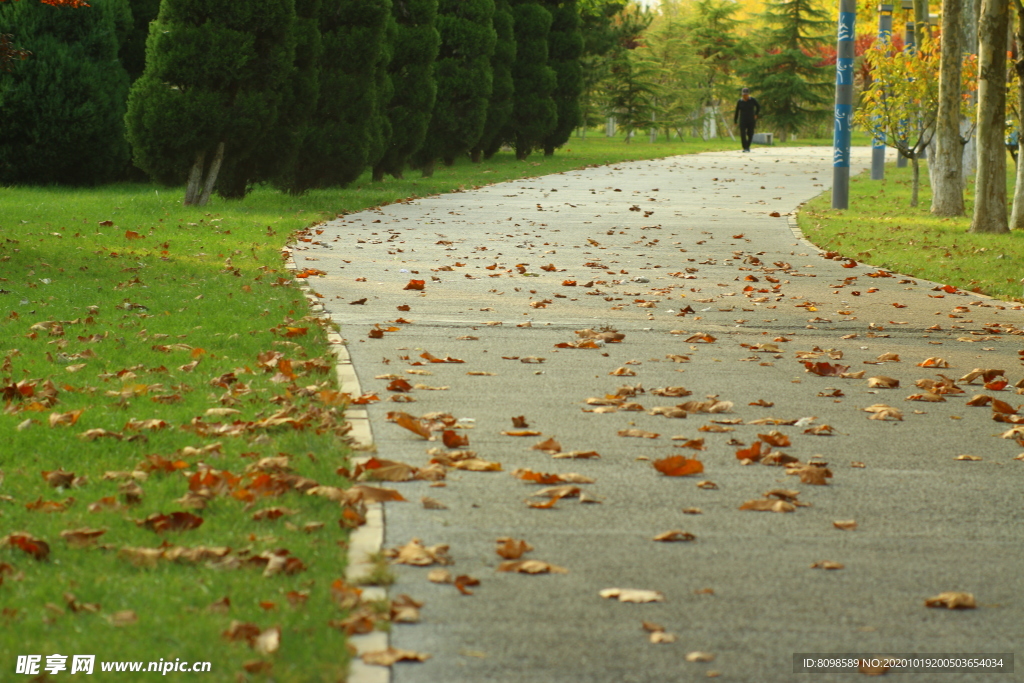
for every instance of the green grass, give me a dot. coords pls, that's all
(881, 229)
(96, 286)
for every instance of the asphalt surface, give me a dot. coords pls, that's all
(654, 238)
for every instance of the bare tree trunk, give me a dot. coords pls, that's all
(990, 186)
(969, 33)
(946, 163)
(921, 27)
(211, 174)
(427, 170)
(195, 180)
(1017, 215)
(915, 187)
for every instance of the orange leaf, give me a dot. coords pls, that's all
(296, 331)
(522, 432)
(409, 422)
(399, 385)
(825, 369)
(37, 548)
(678, 466)
(415, 284)
(756, 451)
(453, 439)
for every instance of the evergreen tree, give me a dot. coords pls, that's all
(62, 110)
(464, 81)
(715, 36)
(534, 113)
(565, 47)
(276, 158)
(342, 130)
(211, 89)
(632, 91)
(133, 46)
(499, 109)
(790, 85)
(414, 44)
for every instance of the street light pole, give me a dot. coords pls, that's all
(844, 105)
(878, 144)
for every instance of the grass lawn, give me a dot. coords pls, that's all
(881, 229)
(169, 399)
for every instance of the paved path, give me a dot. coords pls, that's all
(652, 239)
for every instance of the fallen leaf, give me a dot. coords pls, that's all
(952, 600)
(638, 433)
(845, 524)
(549, 445)
(550, 479)
(522, 432)
(432, 503)
(765, 505)
(409, 422)
(674, 535)
(933, 362)
(632, 595)
(967, 457)
(531, 567)
(392, 655)
(883, 382)
(880, 411)
(826, 564)
(462, 583)
(699, 657)
(416, 554)
(415, 284)
(678, 466)
(512, 548)
(81, 538)
(125, 617)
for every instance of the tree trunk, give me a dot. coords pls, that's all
(427, 170)
(211, 174)
(921, 27)
(1017, 215)
(195, 180)
(476, 154)
(549, 150)
(946, 164)
(917, 179)
(378, 173)
(969, 33)
(990, 185)
(522, 148)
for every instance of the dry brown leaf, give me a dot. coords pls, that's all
(827, 564)
(577, 455)
(512, 548)
(522, 432)
(432, 503)
(845, 524)
(125, 617)
(765, 505)
(967, 457)
(416, 554)
(883, 382)
(811, 474)
(409, 422)
(699, 657)
(952, 600)
(392, 655)
(549, 478)
(880, 411)
(549, 445)
(640, 433)
(531, 567)
(933, 362)
(632, 595)
(440, 576)
(927, 397)
(674, 535)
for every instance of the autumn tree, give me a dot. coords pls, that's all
(678, 73)
(499, 107)
(414, 43)
(990, 184)
(62, 110)
(792, 89)
(632, 92)
(464, 81)
(902, 102)
(211, 88)
(565, 46)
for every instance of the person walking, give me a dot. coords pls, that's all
(746, 113)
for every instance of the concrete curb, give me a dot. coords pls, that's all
(367, 539)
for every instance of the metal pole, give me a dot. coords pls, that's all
(844, 105)
(878, 145)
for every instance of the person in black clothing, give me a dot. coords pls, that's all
(747, 110)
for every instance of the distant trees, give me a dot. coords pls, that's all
(464, 81)
(565, 47)
(62, 109)
(499, 109)
(791, 87)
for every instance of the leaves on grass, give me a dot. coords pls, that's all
(81, 538)
(678, 466)
(176, 521)
(36, 547)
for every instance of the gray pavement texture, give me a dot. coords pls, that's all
(710, 232)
